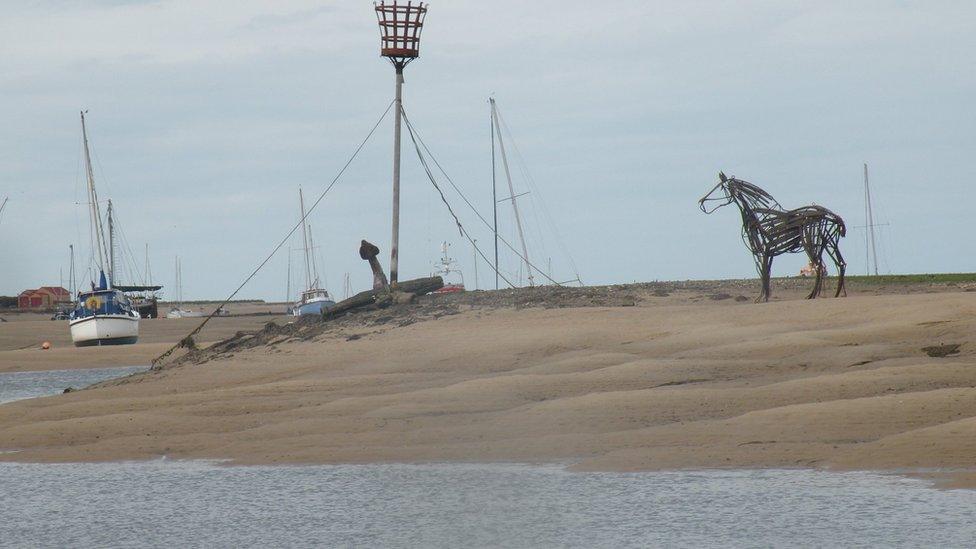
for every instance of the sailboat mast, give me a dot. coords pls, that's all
(511, 190)
(315, 267)
(288, 285)
(870, 221)
(97, 233)
(308, 268)
(111, 246)
(494, 187)
(71, 271)
(178, 294)
(148, 268)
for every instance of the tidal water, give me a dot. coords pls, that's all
(198, 504)
(21, 385)
(166, 503)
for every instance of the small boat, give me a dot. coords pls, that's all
(178, 311)
(314, 299)
(452, 276)
(104, 315)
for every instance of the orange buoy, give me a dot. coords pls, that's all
(46, 345)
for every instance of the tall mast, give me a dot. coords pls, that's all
(3, 204)
(512, 197)
(494, 188)
(869, 214)
(111, 246)
(474, 252)
(308, 268)
(97, 234)
(148, 268)
(71, 271)
(179, 284)
(179, 267)
(288, 286)
(315, 267)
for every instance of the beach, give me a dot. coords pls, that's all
(630, 378)
(23, 334)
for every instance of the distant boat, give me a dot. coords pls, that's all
(178, 311)
(452, 276)
(314, 299)
(104, 315)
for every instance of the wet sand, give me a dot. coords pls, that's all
(22, 335)
(680, 379)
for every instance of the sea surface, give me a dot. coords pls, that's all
(21, 385)
(198, 504)
(167, 503)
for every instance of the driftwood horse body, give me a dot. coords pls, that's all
(769, 230)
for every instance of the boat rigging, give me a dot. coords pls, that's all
(104, 315)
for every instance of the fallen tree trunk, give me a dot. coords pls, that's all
(385, 296)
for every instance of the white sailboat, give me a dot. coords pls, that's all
(178, 311)
(314, 299)
(104, 315)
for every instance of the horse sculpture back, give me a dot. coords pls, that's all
(768, 230)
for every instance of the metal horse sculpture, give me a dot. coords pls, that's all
(769, 231)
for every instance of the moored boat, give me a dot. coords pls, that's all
(314, 300)
(178, 311)
(446, 269)
(104, 315)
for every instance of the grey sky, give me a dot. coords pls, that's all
(207, 116)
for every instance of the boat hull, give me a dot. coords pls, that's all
(104, 330)
(312, 307)
(449, 289)
(180, 313)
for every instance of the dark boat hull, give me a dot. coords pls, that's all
(108, 341)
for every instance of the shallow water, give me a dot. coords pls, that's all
(178, 504)
(21, 385)
(175, 504)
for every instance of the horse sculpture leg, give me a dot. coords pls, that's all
(833, 250)
(814, 247)
(765, 266)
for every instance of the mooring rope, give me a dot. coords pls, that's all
(470, 205)
(433, 181)
(284, 240)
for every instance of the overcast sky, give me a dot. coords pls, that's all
(206, 116)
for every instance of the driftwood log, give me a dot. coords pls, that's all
(382, 297)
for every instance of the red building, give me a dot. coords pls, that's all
(45, 297)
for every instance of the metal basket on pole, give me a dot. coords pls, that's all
(400, 27)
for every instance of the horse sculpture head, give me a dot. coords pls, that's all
(746, 195)
(724, 197)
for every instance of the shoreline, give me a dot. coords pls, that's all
(947, 479)
(679, 382)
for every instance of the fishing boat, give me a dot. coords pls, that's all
(104, 315)
(314, 299)
(446, 269)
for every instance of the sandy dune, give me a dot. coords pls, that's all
(664, 384)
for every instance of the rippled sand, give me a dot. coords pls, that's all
(663, 384)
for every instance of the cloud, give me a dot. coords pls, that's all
(206, 116)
